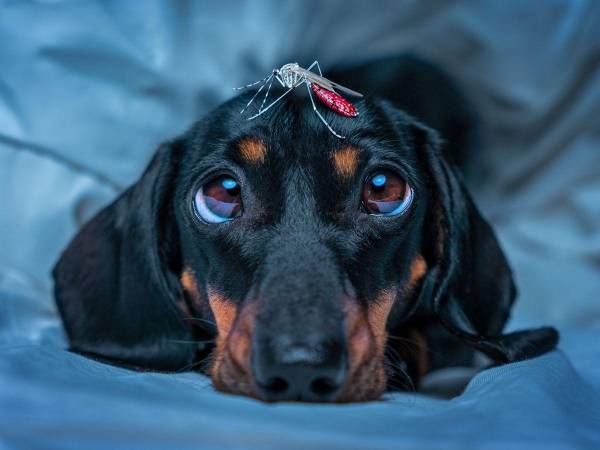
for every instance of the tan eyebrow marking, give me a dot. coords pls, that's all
(252, 150)
(345, 161)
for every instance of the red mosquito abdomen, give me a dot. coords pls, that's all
(334, 101)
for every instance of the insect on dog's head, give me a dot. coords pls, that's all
(292, 251)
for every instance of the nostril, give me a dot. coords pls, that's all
(276, 385)
(312, 371)
(323, 386)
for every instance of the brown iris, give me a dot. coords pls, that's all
(219, 200)
(386, 193)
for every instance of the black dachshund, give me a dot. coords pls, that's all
(292, 265)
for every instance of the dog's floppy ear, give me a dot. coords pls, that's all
(470, 284)
(113, 286)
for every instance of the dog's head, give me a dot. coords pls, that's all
(293, 251)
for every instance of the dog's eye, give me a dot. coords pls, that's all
(219, 200)
(385, 193)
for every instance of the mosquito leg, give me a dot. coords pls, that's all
(319, 68)
(253, 84)
(316, 63)
(318, 113)
(271, 104)
(256, 93)
(280, 80)
(266, 95)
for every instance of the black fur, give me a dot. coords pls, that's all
(300, 245)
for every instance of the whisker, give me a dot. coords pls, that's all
(404, 374)
(394, 360)
(192, 365)
(419, 345)
(187, 341)
(209, 322)
(397, 386)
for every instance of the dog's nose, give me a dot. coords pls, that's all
(299, 371)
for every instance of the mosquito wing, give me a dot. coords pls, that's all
(325, 83)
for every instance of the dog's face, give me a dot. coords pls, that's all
(300, 243)
(297, 252)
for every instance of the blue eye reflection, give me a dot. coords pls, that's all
(229, 183)
(379, 180)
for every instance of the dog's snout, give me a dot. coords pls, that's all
(310, 370)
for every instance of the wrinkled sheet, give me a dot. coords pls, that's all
(87, 92)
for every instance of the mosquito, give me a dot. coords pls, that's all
(290, 76)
